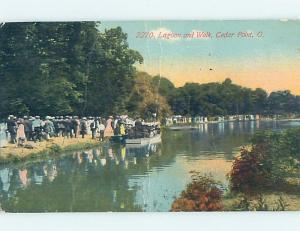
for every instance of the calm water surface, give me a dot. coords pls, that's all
(114, 178)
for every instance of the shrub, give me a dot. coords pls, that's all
(202, 194)
(272, 157)
(258, 203)
(250, 170)
(55, 149)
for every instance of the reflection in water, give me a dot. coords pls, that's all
(91, 180)
(131, 178)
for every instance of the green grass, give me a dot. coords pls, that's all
(55, 151)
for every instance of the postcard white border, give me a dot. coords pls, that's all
(70, 10)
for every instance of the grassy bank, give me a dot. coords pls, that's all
(54, 147)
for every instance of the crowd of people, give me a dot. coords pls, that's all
(34, 128)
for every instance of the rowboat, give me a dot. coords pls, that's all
(180, 128)
(144, 141)
(118, 139)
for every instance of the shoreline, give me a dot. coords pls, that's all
(227, 121)
(57, 145)
(53, 147)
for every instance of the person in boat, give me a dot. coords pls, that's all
(116, 122)
(83, 127)
(138, 129)
(122, 128)
(109, 127)
(117, 129)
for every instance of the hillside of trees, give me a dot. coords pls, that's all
(227, 98)
(74, 68)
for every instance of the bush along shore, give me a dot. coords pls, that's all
(265, 176)
(55, 147)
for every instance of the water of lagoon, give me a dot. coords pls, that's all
(115, 178)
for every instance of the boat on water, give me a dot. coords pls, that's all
(180, 128)
(118, 139)
(136, 141)
(139, 134)
(144, 141)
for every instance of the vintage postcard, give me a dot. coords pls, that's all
(150, 116)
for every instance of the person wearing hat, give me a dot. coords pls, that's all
(122, 128)
(109, 127)
(61, 126)
(12, 128)
(94, 126)
(21, 138)
(55, 121)
(101, 128)
(68, 127)
(27, 127)
(37, 128)
(75, 125)
(48, 128)
(83, 127)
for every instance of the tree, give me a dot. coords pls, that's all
(259, 98)
(281, 102)
(164, 86)
(112, 74)
(64, 68)
(145, 100)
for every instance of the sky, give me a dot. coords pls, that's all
(268, 57)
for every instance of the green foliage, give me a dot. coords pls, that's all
(216, 99)
(258, 203)
(64, 68)
(55, 149)
(281, 102)
(164, 86)
(282, 148)
(272, 157)
(145, 100)
(74, 68)
(227, 99)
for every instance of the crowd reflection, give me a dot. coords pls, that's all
(14, 178)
